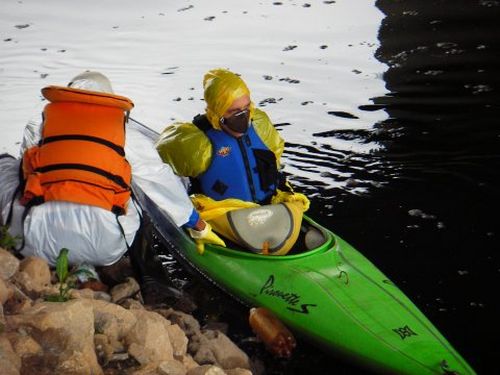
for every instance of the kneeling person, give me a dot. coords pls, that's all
(76, 173)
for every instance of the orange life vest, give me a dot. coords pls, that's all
(81, 156)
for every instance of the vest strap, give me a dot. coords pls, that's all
(112, 177)
(80, 137)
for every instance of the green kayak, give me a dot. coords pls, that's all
(330, 294)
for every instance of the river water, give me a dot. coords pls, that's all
(389, 108)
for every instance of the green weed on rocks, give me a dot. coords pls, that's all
(66, 280)
(7, 241)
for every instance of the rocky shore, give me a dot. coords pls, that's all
(97, 332)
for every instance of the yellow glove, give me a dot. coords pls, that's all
(283, 196)
(204, 236)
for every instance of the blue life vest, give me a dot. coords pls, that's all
(242, 168)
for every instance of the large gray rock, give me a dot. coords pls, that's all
(178, 340)
(67, 333)
(214, 347)
(148, 341)
(113, 321)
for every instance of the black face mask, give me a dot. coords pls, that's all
(237, 122)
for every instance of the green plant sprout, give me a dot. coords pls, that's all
(7, 241)
(66, 280)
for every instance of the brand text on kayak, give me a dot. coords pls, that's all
(292, 299)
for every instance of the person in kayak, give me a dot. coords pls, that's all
(72, 186)
(231, 154)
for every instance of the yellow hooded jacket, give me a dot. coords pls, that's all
(189, 151)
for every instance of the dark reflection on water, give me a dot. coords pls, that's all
(440, 156)
(429, 219)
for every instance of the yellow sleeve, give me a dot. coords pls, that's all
(186, 148)
(269, 135)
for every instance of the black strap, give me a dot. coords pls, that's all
(33, 202)
(5, 156)
(18, 189)
(81, 137)
(283, 184)
(11, 208)
(202, 123)
(122, 232)
(133, 199)
(110, 176)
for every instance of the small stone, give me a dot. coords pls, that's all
(124, 290)
(9, 264)
(171, 367)
(206, 370)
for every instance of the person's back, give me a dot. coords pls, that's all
(76, 186)
(80, 157)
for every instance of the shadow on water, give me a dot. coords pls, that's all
(427, 215)
(431, 225)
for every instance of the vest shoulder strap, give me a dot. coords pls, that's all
(202, 123)
(20, 188)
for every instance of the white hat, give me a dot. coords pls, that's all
(92, 81)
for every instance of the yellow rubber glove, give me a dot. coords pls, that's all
(283, 196)
(204, 236)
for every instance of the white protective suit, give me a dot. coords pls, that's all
(91, 233)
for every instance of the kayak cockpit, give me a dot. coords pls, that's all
(312, 238)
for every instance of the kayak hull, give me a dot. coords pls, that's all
(331, 294)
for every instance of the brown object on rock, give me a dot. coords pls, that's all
(117, 272)
(95, 285)
(277, 338)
